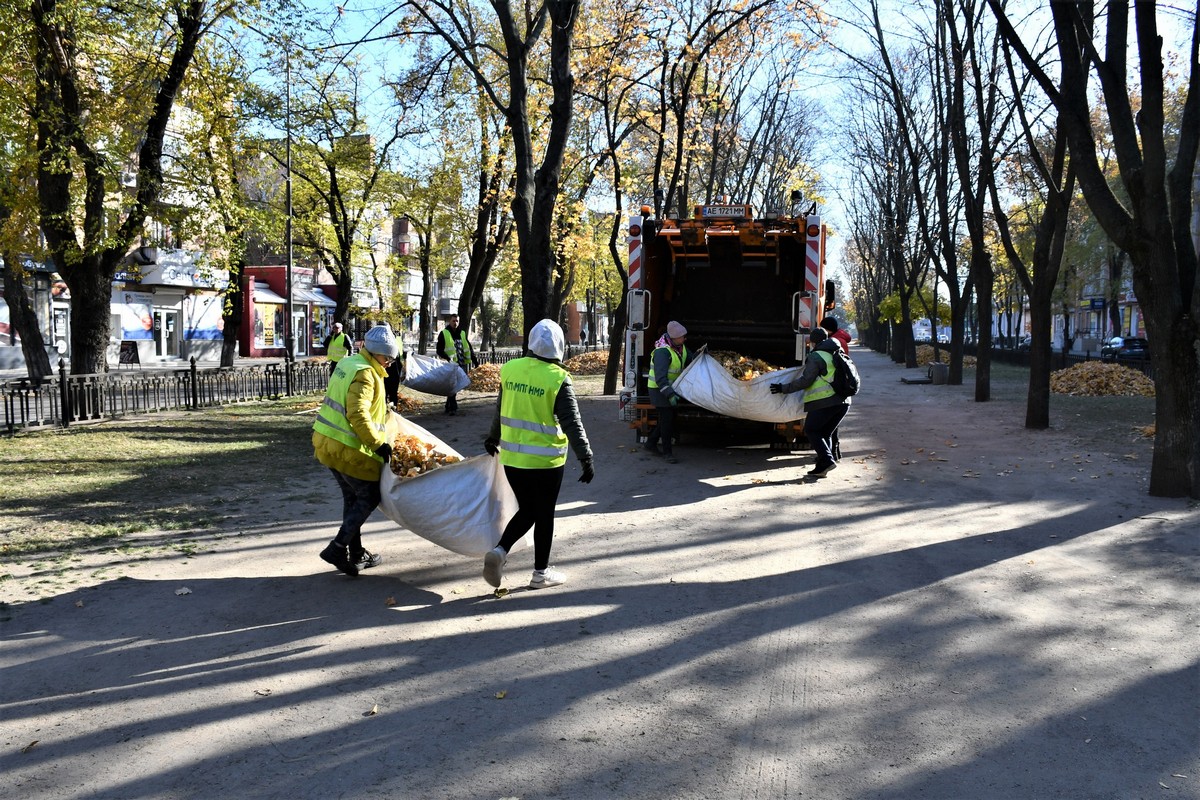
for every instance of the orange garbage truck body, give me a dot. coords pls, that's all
(739, 283)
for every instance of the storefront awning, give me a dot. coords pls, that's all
(264, 295)
(314, 296)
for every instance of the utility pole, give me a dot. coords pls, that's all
(288, 332)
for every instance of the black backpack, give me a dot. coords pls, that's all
(845, 381)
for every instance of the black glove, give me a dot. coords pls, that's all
(492, 446)
(588, 472)
(384, 451)
(776, 388)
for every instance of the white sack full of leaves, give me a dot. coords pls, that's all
(434, 376)
(462, 506)
(708, 384)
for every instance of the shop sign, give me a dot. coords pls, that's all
(179, 268)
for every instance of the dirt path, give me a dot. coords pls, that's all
(963, 609)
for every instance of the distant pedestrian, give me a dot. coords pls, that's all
(337, 346)
(395, 376)
(350, 438)
(824, 409)
(536, 417)
(837, 333)
(669, 358)
(453, 346)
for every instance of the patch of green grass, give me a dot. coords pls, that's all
(88, 488)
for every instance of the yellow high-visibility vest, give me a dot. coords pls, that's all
(530, 437)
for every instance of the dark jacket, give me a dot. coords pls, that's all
(814, 368)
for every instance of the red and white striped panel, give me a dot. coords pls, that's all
(635, 253)
(812, 254)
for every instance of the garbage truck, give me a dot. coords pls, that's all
(752, 285)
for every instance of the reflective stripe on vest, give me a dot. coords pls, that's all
(673, 370)
(530, 437)
(449, 347)
(331, 416)
(823, 386)
(337, 347)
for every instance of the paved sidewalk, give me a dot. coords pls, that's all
(963, 609)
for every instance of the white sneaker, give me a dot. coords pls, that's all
(545, 578)
(366, 559)
(493, 566)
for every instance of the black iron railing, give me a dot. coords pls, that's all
(60, 400)
(63, 399)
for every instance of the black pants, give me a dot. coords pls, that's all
(664, 431)
(359, 499)
(537, 494)
(820, 426)
(452, 400)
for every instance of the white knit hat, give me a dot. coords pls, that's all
(546, 340)
(381, 342)
(675, 330)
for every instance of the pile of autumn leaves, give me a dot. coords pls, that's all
(1101, 379)
(486, 377)
(1089, 379)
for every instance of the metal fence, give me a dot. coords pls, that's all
(64, 399)
(59, 401)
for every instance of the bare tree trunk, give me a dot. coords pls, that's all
(23, 318)
(235, 310)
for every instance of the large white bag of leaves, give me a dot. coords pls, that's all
(709, 385)
(462, 507)
(434, 376)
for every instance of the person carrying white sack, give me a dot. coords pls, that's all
(350, 437)
(536, 417)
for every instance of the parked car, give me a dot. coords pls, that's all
(1125, 348)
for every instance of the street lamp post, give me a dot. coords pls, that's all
(288, 332)
(595, 332)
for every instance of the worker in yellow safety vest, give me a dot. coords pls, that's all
(453, 346)
(337, 346)
(824, 408)
(536, 418)
(669, 358)
(350, 437)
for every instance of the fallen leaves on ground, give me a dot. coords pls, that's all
(593, 362)
(925, 356)
(406, 404)
(1100, 379)
(485, 378)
